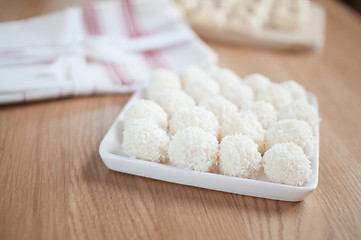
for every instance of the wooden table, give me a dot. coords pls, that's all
(54, 185)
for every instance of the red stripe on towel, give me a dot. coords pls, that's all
(110, 71)
(152, 57)
(118, 73)
(114, 71)
(91, 21)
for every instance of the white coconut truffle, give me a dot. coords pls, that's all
(143, 139)
(239, 157)
(238, 93)
(291, 130)
(221, 107)
(225, 77)
(160, 80)
(244, 123)
(193, 148)
(276, 95)
(146, 109)
(296, 90)
(209, 17)
(201, 90)
(241, 20)
(194, 117)
(265, 112)
(286, 16)
(257, 82)
(287, 164)
(189, 5)
(300, 110)
(209, 5)
(173, 100)
(191, 74)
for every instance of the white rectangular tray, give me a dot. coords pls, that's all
(111, 153)
(310, 38)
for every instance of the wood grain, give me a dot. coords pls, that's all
(54, 185)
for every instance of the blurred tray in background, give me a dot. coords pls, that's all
(293, 34)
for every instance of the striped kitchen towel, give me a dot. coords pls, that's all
(106, 47)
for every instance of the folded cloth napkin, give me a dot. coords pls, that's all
(106, 47)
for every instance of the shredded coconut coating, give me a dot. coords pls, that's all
(291, 130)
(194, 117)
(225, 77)
(239, 23)
(160, 80)
(189, 5)
(203, 89)
(146, 109)
(238, 93)
(296, 90)
(244, 123)
(206, 16)
(287, 164)
(173, 100)
(276, 95)
(143, 139)
(221, 107)
(193, 148)
(265, 112)
(300, 110)
(191, 74)
(257, 82)
(239, 157)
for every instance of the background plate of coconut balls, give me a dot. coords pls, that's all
(214, 130)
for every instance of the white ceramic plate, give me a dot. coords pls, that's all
(111, 153)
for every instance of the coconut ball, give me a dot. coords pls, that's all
(241, 20)
(287, 164)
(276, 95)
(193, 148)
(191, 74)
(300, 110)
(238, 93)
(160, 80)
(143, 139)
(173, 100)
(291, 130)
(221, 107)
(225, 77)
(200, 90)
(194, 117)
(146, 109)
(265, 112)
(296, 90)
(210, 17)
(257, 82)
(244, 123)
(238, 156)
(189, 5)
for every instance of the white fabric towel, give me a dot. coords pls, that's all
(106, 47)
